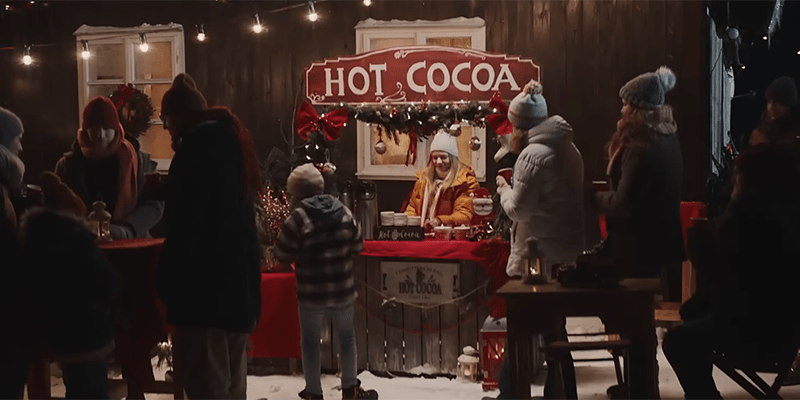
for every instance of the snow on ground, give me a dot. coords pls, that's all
(593, 379)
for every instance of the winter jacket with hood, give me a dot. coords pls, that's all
(546, 201)
(209, 272)
(74, 285)
(322, 237)
(642, 205)
(454, 206)
(71, 168)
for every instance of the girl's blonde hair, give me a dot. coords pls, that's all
(429, 174)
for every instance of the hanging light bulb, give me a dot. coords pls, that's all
(143, 46)
(201, 33)
(367, 3)
(765, 37)
(85, 50)
(26, 57)
(257, 28)
(312, 13)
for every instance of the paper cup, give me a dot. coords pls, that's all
(442, 232)
(600, 186)
(387, 218)
(414, 220)
(400, 219)
(461, 232)
(506, 173)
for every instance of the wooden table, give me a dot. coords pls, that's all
(627, 310)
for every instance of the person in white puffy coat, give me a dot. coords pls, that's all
(546, 200)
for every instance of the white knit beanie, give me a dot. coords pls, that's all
(529, 108)
(305, 181)
(10, 127)
(444, 141)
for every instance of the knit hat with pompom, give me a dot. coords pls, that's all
(647, 90)
(529, 108)
(182, 98)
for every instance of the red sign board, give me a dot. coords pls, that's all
(418, 74)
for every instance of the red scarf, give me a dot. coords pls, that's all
(128, 192)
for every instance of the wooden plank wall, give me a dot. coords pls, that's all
(587, 50)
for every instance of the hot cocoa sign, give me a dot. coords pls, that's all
(418, 74)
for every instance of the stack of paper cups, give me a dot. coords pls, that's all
(400, 219)
(414, 220)
(387, 218)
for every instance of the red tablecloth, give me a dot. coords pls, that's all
(278, 330)
(491, 255)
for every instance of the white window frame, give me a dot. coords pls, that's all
(129, 38)
(475, 29)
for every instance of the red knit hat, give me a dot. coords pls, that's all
(101, 112)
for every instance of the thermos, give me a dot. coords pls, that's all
(367, 208)
(346, 196)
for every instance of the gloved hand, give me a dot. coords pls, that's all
(502, 185)
(121, 231)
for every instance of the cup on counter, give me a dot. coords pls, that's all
(442, 232)
(414, 220)
(400, 219)
(506, 173)
(387, 218)
(461, 232)
(600, 186)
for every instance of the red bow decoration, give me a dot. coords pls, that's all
(499, 121)
(331, 123)
(126, 92)
(411, 155)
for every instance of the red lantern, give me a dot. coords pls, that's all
(493, 344)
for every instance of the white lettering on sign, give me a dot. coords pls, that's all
(378, 69)
(445, 82)
(505, 76)
(460, 86)
(329, 82)
(482, 86)
(410, 78)
(351, 82)
(419, 282)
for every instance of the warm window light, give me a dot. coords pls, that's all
(257, 28)
(367, 3)
(312, 13)
(26, 58)
(201, 33)
(143, 46)
(85, 51)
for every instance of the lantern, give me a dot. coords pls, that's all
(468, 364)
(533, 260)
(100, 222)
(493, 346)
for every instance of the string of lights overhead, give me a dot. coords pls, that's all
(258, 27)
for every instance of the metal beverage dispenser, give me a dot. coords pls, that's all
(367, 208)
(346, 195)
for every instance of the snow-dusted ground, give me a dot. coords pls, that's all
(593, 380)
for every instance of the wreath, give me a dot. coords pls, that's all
(134, 108)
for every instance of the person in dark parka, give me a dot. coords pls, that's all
(209, 273)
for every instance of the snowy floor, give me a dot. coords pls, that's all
(593, 380)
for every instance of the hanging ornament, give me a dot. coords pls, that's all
(380, 147)
(455, 130)
(475, 143)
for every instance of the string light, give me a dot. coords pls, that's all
(8, 7)
(26, 57)
(798, 52)
(312, 13)
(367, 3)
(85, 52)
(143, 46)
(201, 33)
(765, 37)
(743, 67)
(257, 28)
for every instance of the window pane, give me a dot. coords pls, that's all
(464, 151)
(385, 43)
(156, 142)
(156, 93)
(462, 42)
(156, 63)
(101, 90)
(107, 61)
(395, 152)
